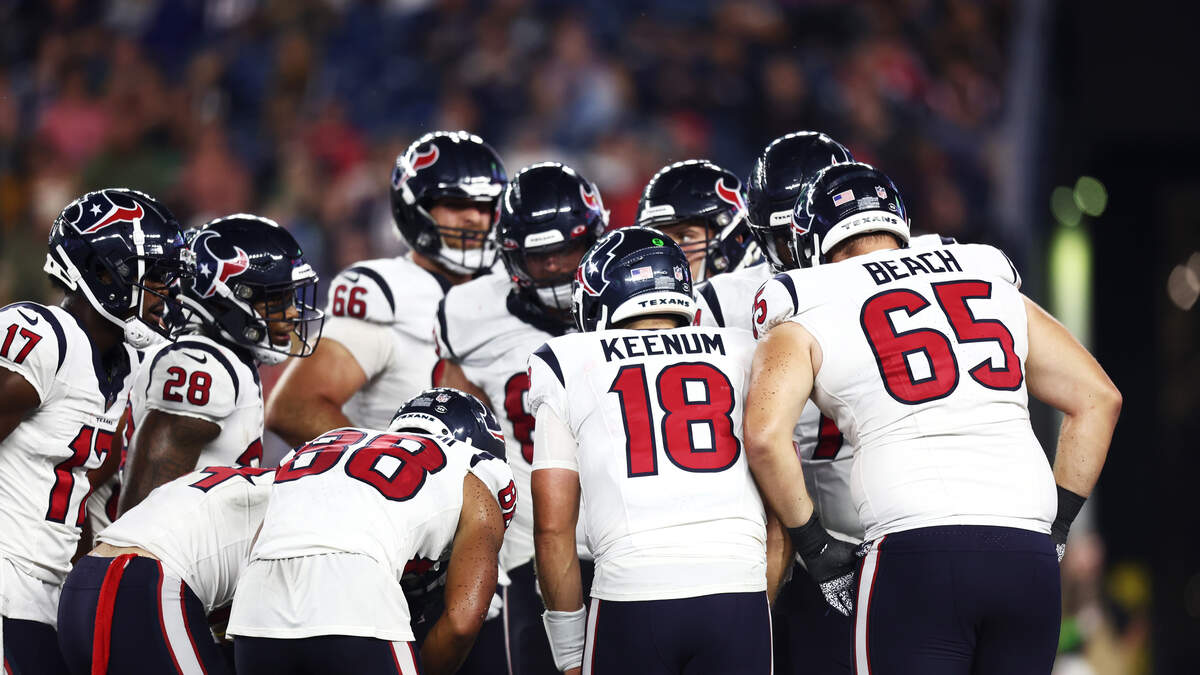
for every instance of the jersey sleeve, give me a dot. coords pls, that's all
(775, 302)
(371, 344)
(709, 306)
(362, 292)
(554, 446)
(498, 478)
(32, 344)
(192, 381)
(546, 384)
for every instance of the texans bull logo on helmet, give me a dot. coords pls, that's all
(113, 213)
(419, 161)
(593, 267)
(731, 196)
(591, 198)
(800, 216)
(213, 270)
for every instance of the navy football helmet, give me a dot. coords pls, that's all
(251, 279)
(843, 201)
(447, 165)
(698, 191)
(108, 245)
(443, 411)
(786, 165)
(548, 212)
(632, 272)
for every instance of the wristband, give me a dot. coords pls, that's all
(810, 538)
(1069, 504)
(566, 631)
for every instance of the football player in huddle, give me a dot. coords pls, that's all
(378, 342)
(809, 637)
(640, 416)
(926, 358)
(198, 401)
(140, 601)
(487, 328)
(701, 206)
(349, 511)
(64, 374)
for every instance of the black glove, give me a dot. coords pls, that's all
(831, 562)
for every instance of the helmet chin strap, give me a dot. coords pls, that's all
(135, 332)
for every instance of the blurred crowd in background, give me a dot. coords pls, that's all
(296, 110)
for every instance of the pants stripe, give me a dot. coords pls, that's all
(405, 658)
(102, 631)
(770, 633)
(507, 636)
(866, 584)
(173, 621)
(589, 644)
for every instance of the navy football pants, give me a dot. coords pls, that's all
(137, 617)
(706, 635)
(958, 600)
(325, 655)
(810, 636)
(31, 648)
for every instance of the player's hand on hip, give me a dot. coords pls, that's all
(831, 563)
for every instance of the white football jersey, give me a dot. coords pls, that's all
(199, 377)
(725, 299)
(385, 498)
(670, 508)
(44, 461)
(729, 300)
(923, 370)
(200, 526)
(478, 328)
(391, 293)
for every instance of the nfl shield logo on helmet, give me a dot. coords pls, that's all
(881, 192)
(442, 398)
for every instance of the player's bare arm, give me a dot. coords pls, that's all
(1061, 373)
(452, 376)
(785, 364)
(781, 379)
(18, 399)
(168, 446)
(470, 580)
(779, 555)
(310, 394)
(555, 513)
